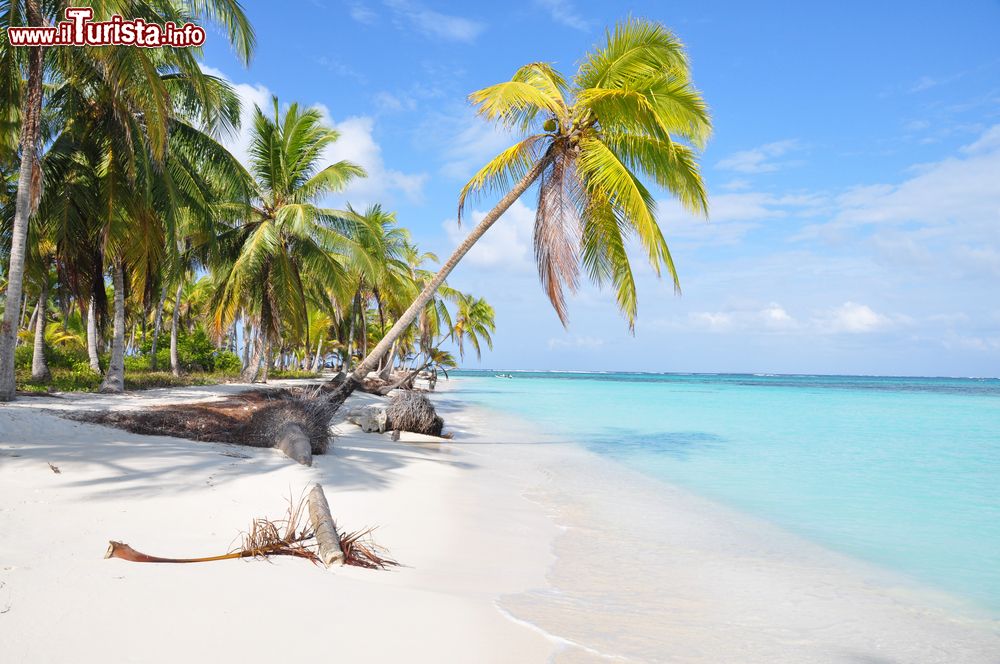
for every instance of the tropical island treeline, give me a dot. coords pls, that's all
(153, 253)
(136, 248)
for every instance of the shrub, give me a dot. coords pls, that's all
(22, 356)
(227, 362)
(136, 363)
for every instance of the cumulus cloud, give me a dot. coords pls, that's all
(852, 318)
(507, 245)
(356, 143)
(771, 317)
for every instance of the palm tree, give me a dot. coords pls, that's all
(285, 245)
(28, 186)
(630, 111)
(475, 323)
(376, 252)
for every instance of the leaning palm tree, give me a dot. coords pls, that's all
(630, 112)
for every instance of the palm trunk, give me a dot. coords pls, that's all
(350, 334)
(268, 358)
(399, 327)
(39, 369)
(249, 374)
(114, 381)
(130, 348)
(157, 326)
(29, 178)
(390, 360)
(408, 380)
(95, 362)
(26, 324)
(31, 321)
(247, 330)
(175, 363)
(317, 359)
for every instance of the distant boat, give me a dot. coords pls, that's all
(503, 375)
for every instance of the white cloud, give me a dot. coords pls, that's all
(736, 184)
(434, 24)
(711, 320)
(362, 13)
(733, 215)
(250, 95)
(924, 83)
(564, 13)
(945, 216)
(760, 159)
(773, 318)
(507, 245)
(356, 143)
(394, 103)
(853, 318)
(747, 318)
(471, 143)
(989, 141)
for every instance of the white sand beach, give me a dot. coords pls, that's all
(516, 547)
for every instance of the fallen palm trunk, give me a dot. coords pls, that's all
(320, 542)
(327, 538)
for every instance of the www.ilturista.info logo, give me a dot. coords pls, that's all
(79, 30)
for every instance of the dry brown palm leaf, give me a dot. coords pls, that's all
(265, 537)
(361, 550)
(290, 536)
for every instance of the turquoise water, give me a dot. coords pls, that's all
(902, 472)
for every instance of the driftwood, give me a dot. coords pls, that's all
(371, 418)
(324, 528)
(412, 411)
(294, 443)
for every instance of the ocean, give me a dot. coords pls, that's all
(903, 473)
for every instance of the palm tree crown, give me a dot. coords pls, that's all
(631, 112)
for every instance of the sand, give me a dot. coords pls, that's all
(463, 537)
(518, 547)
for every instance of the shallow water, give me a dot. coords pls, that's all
(900, 472)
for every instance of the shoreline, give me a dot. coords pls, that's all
(689, 579)
(517, 545)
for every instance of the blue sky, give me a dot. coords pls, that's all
(854, 173)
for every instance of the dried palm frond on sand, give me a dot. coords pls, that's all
(315, 539)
